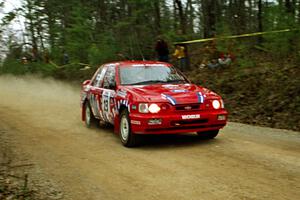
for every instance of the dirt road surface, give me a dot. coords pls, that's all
(41, 117)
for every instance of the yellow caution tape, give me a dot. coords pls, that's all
(62, 66)
(235, 36)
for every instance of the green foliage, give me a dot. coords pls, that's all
(94, 55)
(282, 44)
(16, 67)
(13, 66)
(279, 44)
(245, 63)
(103, 52)
(78, 36)
(97, 31)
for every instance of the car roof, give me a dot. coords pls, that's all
(139, 62)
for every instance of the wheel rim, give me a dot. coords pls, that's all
(124, 128)
(87, 115)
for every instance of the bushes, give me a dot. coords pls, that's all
(15, 67)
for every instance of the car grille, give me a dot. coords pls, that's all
(187, 107)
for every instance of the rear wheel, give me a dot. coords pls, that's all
(208, 134)
(90, 119)
(128, 138)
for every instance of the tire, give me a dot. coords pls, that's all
(208, 134)
(90, 120)
(128, 138)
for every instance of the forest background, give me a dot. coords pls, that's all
(260, 87)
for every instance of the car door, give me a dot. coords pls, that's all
(96, 92)
(108, 95)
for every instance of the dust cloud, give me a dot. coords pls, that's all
(49, 102)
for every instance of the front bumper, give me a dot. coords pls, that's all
(174, 122)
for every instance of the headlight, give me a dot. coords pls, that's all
(154, 108)
(143, 108)
(216, 104)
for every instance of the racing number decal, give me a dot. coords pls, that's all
(106, 107)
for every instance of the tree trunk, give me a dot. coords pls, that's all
(101, 15)
(299, 12)
(50, 24)
(190, 15)
(209, 18)
(241, 17)
(31, 29)
(181, 17)
(157, 17)
(175, 16)
(289, 6)
(40, 35)
(259, 19)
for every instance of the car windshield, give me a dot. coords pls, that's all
(149, 74)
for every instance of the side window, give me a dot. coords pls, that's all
(110, 78)
(99, 77)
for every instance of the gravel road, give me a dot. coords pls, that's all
(42, 119)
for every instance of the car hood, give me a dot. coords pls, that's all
(171, 93)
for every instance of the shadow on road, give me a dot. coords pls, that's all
(166, 141)
(171, 141)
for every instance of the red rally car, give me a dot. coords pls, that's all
(149, 97)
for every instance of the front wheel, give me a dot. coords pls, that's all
(208, 134)
(128, 139)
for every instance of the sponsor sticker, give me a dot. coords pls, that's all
(179, 91)
(138, 65)
(171, 86)
(135, 122)
(122, 93)
(197, 116)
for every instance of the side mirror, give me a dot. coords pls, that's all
(86, 82)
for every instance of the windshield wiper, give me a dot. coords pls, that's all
(148, 82)
(176, 81)
(156, 81)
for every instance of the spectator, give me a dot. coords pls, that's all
(34, 54)
(224, 59)
(122, 56)
(180, 55)
(24, 60)
(162, 50)
(213, 64)
(46, 56)
(66, 58)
